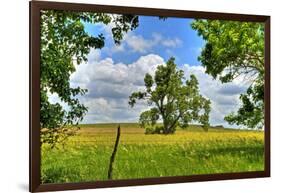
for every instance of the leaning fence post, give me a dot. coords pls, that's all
(112, 158)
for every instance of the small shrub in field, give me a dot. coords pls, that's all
(154, 130)
(149, 130)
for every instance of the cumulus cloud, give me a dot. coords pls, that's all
(172, 42)
(94, 55)
(108, 71)
(139, 44)
(109, 86)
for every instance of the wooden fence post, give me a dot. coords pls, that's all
(112, 158)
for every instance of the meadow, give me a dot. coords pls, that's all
(85, 156)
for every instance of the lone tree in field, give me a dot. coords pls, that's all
(174, 102)
(234, 49)
(64, 43)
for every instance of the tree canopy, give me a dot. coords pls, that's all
(65, 44)
(173, 101)
(236, 50)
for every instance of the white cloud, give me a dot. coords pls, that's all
(109, 86)
(172, 42)
(139, 44)
(118, 73)
(94, 54)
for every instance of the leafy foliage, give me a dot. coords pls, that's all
(236, 49)
(65, 44)
(173, 101)
(251, 112)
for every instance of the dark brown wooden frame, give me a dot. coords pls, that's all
(34, 99)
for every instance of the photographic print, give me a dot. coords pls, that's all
(132, 96)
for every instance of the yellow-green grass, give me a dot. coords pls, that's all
(85, 157)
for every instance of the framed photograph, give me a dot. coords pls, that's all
(123, 96)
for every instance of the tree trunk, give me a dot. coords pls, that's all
(165, 127)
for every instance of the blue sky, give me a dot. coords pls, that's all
(114, 72)
(171, 28)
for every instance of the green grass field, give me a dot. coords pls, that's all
(85, 157)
